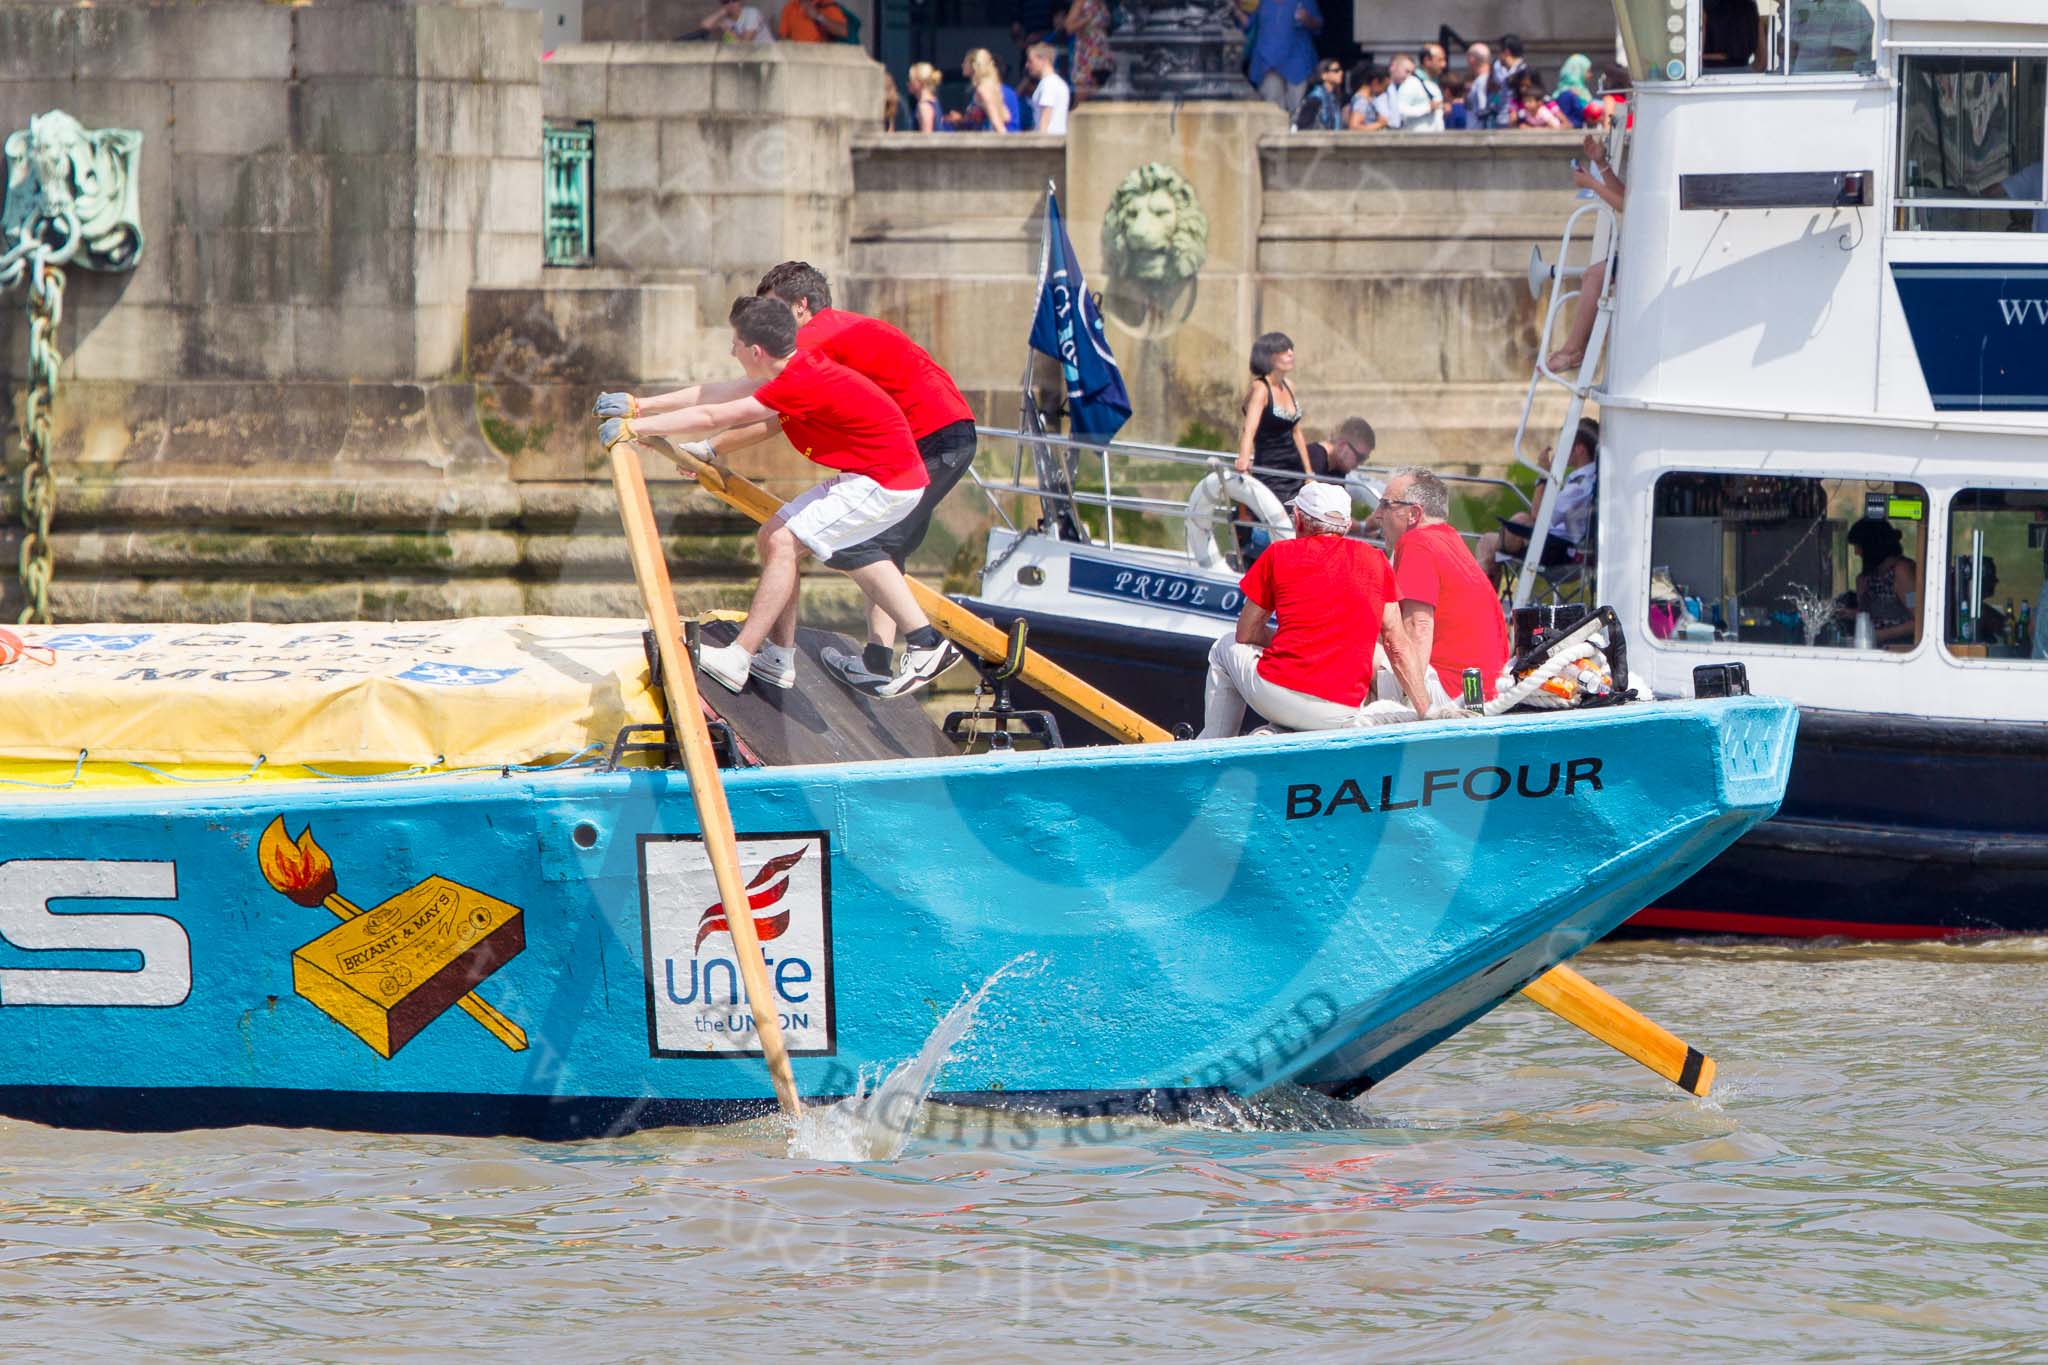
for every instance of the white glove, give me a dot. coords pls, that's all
(702, 450)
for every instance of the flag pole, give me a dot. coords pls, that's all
(1044, 267)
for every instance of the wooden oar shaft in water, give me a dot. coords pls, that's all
(1561, 990)
(686, 715)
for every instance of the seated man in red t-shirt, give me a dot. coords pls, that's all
(836, 419)
(1334, 596)
(939, 418)
(1449, 613)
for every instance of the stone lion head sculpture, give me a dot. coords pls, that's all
(1154, 235)
(75, 188)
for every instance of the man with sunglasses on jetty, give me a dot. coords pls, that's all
(837, 419)
(940, 421)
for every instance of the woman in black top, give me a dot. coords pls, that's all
(1271, 447)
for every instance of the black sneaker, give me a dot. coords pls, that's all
(920, 666)
(848, 666)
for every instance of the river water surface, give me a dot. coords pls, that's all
(1869, 1181)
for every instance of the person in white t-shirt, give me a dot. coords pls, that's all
(1051, 97)
(1411, 101)
(737, 23)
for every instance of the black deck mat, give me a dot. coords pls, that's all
(820, 720)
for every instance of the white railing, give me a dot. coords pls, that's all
(1108, 456)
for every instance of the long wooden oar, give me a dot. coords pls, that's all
(679, 682)
(1561, 990)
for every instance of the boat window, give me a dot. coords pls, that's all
(1970, 144)
(1734, 36)
(1835, 36)
(1804, 37)
(1653, 38)
(1998, 538)
(1784, 560)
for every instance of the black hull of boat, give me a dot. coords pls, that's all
(1893, 827)
(1154, 672)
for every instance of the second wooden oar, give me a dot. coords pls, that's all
(686, 715)
(1561, 990)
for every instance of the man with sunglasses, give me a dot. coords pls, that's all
(1449, 612)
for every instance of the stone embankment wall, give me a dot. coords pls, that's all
(342, 384)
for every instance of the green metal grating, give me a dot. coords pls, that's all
(568, 153)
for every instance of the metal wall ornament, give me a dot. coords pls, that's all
(70, 200)
(1178, 49)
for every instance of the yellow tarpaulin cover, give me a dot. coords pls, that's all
(484, 691)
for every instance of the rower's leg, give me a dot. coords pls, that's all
(886, 589)
(881, 627)
(773, 612)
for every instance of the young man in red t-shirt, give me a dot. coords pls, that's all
(837, 419)
(1449, 612)
(1334, 597)
(932, 404)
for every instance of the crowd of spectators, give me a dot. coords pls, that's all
(1421, 92)
(1062, 58)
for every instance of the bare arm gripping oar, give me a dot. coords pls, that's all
(1561, 990)
(679, 681)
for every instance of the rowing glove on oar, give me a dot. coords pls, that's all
(615, 430)
(616, 405)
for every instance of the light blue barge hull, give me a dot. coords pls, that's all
(1201, 916)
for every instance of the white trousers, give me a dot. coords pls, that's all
(1387, 686)
(1234, 681)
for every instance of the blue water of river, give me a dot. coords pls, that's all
(1870, 1180)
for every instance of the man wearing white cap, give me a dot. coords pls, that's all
(1335, 601)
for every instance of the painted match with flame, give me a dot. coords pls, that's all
(386, 973)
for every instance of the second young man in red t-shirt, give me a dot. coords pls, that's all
(835, 418)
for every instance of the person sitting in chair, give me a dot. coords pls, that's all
(1571, 519)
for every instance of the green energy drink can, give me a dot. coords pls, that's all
(1475, 690)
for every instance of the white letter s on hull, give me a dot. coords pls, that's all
(28, 885)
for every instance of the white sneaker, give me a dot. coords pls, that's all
(850, 667)
(919, 667)
(728, 665)
(775, 665)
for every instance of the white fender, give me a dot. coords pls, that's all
(1215, 490)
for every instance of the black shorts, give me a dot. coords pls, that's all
(947, 454)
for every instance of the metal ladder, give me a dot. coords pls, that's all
(1597, 216)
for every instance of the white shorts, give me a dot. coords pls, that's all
(844, 511)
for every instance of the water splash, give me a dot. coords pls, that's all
(874, 1122)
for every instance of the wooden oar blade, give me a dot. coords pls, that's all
(1577, 1001)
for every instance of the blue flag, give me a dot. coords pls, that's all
(1068, 328)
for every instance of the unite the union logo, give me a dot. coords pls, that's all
(696, 1002)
